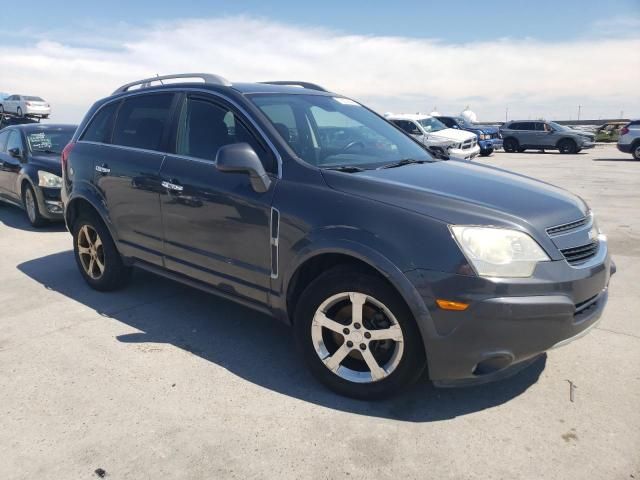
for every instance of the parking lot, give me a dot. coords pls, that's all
(160, 380)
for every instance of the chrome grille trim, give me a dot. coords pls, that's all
(567, 227)
(579, 255)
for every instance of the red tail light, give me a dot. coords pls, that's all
(624, 130)
(64, 157)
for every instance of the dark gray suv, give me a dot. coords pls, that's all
(308, 206)
(520, 135)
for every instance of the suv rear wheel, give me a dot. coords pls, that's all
(636, 151)
(96, 255)
(567, 146)
(357, 335)
(510, 145)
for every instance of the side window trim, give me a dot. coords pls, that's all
(256, 127)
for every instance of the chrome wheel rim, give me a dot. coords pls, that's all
(637, 152)
(91, 252)
(30, 204)
(357, 337)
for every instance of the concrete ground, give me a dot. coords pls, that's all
(160, 381)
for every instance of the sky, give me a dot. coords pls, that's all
(503, 59)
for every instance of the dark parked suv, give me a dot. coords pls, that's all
(306, 205)
(540, 135)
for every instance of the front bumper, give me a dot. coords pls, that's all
(466, 154)
(49, 203)
(491, 144)
(509, 322)
(587, 144)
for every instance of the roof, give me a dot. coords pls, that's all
(44, 126)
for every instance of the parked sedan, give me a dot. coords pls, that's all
(30, 170)
(26, 105)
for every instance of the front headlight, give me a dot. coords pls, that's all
(499, 252)
(49, 180)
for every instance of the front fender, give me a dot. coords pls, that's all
(336, 241)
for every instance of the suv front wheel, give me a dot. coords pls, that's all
(96, 255)
(568, 146)
(357, 335)
(510, 145)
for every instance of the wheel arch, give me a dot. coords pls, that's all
(564, 139)
(87, 202)
(360, 257)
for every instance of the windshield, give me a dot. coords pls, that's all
(49, 140)
(557, 126)
(331, 132)
(33, 99)
(431, 124)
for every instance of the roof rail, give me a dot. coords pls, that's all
(146, 82)
(311, 86)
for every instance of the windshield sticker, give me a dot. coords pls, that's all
(345, 101)
(40, 141)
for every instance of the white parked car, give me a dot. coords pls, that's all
(25, 106)
(433, 133)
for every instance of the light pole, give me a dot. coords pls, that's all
(579, 108)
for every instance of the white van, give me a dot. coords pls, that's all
(433, 133)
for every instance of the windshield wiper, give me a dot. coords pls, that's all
(346, 169)
(400, 163)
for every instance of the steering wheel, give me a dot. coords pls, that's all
(352, 144)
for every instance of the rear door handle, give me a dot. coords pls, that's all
(104, 168)
(172, 185)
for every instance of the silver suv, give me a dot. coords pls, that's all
(540, 135)
(629, 141)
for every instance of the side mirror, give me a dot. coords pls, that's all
(416, 132)
(15, 153)
(242, 158)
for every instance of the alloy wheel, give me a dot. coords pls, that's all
(30, 205)
(91, 252)
(357, 337)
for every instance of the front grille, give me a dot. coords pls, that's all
(579, 255)
(567, 227)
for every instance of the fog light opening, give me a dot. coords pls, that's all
(492, 364)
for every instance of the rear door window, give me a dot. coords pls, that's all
(142, 121)
(99, 130)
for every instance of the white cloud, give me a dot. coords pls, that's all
(531, 77)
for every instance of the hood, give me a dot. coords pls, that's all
(484, 128)
(465, 193)
(452, 134)
(49, 162)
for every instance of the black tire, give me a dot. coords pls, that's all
(30, 204)
(510, 145)
(635, 151)
(567, 146)
(520, 149)
(115, 273)
(486, 153)
(19, 112)
(340, 280)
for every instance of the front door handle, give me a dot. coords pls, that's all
(172, 185)
(104, 168)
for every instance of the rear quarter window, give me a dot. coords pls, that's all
(99, 129)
